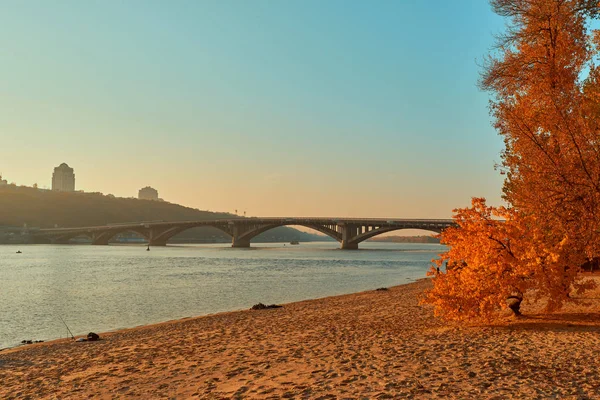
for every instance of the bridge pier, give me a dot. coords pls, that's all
(240, 243)
(348, 245)
(238, 235)
(349, 232)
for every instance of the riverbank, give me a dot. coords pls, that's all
(376, 344)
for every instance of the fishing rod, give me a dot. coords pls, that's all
(68, 330)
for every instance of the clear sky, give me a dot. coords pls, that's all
(296, 108)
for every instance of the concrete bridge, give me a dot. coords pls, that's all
(349, 232)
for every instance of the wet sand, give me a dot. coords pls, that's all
(370, 345)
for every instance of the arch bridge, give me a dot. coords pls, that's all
(348, 232)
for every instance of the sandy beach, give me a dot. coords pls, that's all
(369, 345)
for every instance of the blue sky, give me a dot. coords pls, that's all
(346, 108)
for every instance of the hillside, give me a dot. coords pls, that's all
(47, 209)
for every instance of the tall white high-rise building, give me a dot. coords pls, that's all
(63, 179)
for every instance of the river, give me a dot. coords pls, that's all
(103, 288)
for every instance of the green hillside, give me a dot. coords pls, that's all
(47, 209)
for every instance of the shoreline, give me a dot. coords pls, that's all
(211, 277)
(6, 350)
(373, 344)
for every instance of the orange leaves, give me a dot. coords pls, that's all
(479, 265)
(490, 260)
(546, 113)
(546, 105)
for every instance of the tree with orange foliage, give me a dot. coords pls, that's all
(497, 255)
(546, 105)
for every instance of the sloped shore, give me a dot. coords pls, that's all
(377, 344)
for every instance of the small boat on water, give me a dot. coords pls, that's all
(19, 252)
(294, 242)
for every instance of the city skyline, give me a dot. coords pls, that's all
(312, 109)
(57, 183)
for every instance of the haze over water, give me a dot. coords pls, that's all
(102, 288)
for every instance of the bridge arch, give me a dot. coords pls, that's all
(326, 230)
(98, 237)
(64, 239)
(103, 237)
(379, 231)
(240, 237)
(160, 237)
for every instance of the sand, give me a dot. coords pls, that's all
(370, 345)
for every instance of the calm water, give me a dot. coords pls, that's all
(102, 288)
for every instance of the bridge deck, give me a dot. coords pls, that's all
(251, 220)
(348, 231)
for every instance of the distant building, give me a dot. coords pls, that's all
(63, 179)
(3, 182)
(148, 193)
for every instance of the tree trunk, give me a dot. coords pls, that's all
(514, 303)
